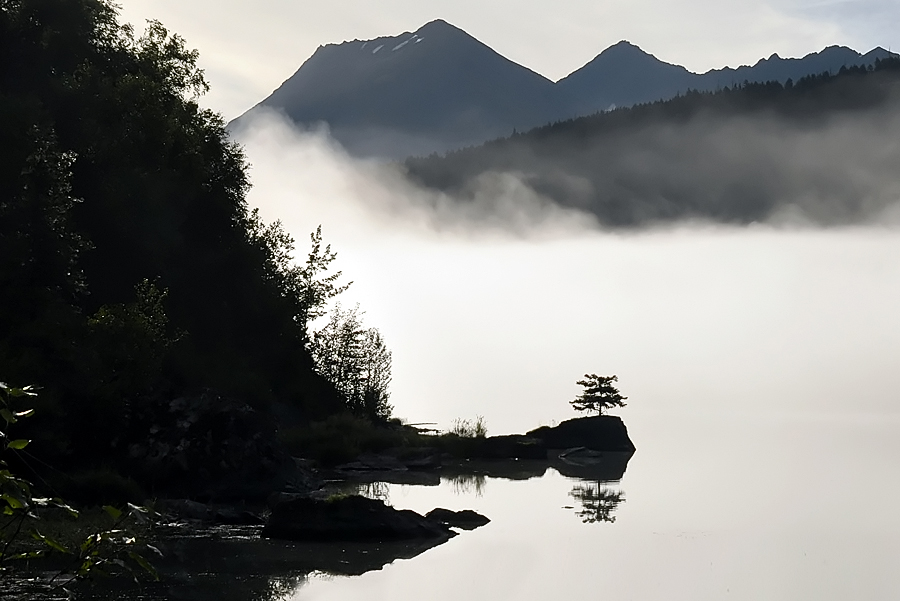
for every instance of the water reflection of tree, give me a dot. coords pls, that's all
(598, 502)
(375, 490)
(466, 484)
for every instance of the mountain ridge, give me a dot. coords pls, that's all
(647, 78)
(438, 88)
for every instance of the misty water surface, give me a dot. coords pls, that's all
(760, 365)
(739, 513)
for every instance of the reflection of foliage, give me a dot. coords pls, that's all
(598, 502)
(466, 484)
(375, 490)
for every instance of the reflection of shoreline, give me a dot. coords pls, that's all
(602, 467)
(470, 476)
(235, 565)
(592, 469)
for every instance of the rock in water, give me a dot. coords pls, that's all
(465, 519)
(349, 518)
(598, 433)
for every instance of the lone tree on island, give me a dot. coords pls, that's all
(599, 394)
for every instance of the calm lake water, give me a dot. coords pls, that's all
(762, 366)
(711, 509)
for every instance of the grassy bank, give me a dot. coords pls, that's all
(342, 438)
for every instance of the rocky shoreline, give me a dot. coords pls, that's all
(299, 519)
(304, 503)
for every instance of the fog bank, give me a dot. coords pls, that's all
(495, 307)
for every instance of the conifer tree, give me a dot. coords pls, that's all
(599, 394)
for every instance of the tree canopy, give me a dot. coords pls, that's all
(130, 264)
(356, 360)
(599, 394)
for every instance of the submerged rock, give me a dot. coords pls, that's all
(465, 519)
(349, 518)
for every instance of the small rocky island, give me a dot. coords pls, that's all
(585, 442)
(600, 433)
(302, 506)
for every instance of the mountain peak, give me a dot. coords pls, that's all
(623, 48)
(441, 27)
(439, 88)
(438, 23)
(436, 88)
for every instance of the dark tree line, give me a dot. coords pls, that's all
(131, 268)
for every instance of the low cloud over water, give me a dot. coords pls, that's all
(496, 307)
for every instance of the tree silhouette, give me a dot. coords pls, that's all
(599, 394)
(356, 361)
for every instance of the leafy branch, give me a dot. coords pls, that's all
(97, 554)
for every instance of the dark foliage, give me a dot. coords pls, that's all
(130, 267)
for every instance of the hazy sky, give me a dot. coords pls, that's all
(249, 48)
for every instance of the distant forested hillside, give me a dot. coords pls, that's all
(825, 148)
